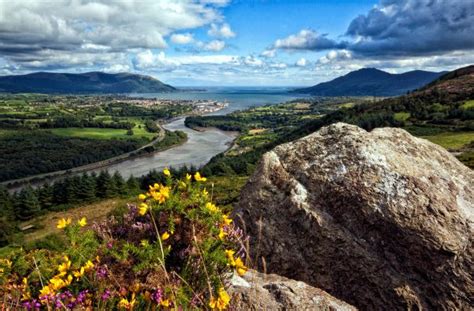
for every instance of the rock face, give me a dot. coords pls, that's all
(380, 219)
(257, 291)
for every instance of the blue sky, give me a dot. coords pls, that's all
(225, 42)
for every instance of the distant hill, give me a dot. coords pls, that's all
(372, 82)
(90, 82)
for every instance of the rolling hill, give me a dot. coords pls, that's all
(372, 82)
(90, 82)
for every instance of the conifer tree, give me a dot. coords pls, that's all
(45, 196)
(133, 185)
(26, 204)
(120, 186)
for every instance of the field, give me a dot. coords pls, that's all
(452, 140)
(35, 127)
(96, 133)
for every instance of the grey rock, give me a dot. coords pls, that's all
(381, 219)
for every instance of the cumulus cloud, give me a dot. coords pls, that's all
(414, 27)
(222, 31)
(31, 29)
(302, 62)
(334, 56)
(306, 39)
(214, 45)
(182, 38)
(269, 53)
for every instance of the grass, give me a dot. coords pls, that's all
(46, 224)
(468, 105)
(401, 116)
(96, 133)
(451, 140)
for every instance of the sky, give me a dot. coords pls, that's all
(235, 42)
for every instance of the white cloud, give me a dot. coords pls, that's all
(335, 56)
(214, 45)
(182, 38)
(252, 61)
(34, 28)
(306, 39)
(117, 68)
(269, 53)
(302, 62)
(223, 31)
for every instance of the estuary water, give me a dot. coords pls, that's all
(201, 146)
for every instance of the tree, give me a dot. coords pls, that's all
(105, 186)
(27, 204)
(133, 185)
(87, 188)
(119, 183)
(45, 196)
(6, 203)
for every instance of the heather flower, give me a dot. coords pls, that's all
(105, 295)
(157, 295)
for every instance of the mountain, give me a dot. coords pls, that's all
(89, 82)
(372, 82)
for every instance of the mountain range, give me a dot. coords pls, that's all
(372, 82)
(89, 82)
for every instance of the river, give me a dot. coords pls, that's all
(197, 150)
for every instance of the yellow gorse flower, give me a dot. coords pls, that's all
(198, 177)
(46, 290)
(212, 207)
(238, 264)
(222, 234)
(160, 193)
(126, 304)
(142, 197)
(167, 172)
(220, 303)
(143, 209)
(188, 177)
(63, 223)
(82, 222)
(226, 220)
(165, 236)
(165, 303)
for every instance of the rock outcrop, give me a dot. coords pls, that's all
(258, 291)
(381, 219)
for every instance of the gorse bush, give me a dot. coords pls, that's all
(176, 250)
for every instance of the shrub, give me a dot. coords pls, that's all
(175, 250)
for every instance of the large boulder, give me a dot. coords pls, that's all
(381, 219)
(258, 291)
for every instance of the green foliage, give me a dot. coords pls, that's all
(176, 249)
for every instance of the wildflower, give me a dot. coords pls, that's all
(238, 264)
(240, 267)
(105, 295)
(143, 209)
(162, 195)
(157, 296)
(125, 303)
(165, 303)
(144, 243)
(89, 265)
(198, 177)
(205, 193)
(167, 172)
(188, 177)
(63, 223)
(165, 236)
(142, 197)
(226, 220)
(212, 207)
(64, 267)
(222, 234)
(78, 274)
(230, 256)
(46, 290)
(221, 302)
(182, 185)
(82, 222)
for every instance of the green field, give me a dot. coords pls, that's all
(451, 140)
(468, 105)
(96, 133)
(401, 116)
